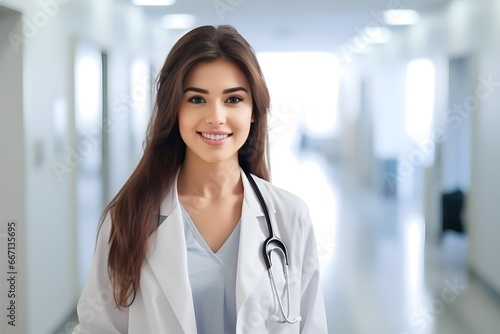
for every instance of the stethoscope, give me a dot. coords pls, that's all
(280, 247)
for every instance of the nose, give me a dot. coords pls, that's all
(216, 114)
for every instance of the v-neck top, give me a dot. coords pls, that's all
(213, 279)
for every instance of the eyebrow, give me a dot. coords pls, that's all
(204, 91)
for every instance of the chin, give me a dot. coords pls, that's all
(218, 158)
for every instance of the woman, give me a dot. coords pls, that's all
(180, 246)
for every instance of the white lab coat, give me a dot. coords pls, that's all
(164, 303)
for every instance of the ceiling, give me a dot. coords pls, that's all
(292, 25)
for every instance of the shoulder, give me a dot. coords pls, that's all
(104, 231)
(290, 216)
(283, 199)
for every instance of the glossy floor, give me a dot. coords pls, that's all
(379, 273)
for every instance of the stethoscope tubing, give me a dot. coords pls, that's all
(266, 252)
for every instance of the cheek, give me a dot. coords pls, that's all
(184, 124)
(185, 118)
(246, 117)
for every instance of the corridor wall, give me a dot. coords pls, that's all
(47, 33)
(461, 29)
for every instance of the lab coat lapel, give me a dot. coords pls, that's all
(168, 256)
(253, 233)
(168, 260)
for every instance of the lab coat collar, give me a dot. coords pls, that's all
(168, 260)
(168, 256)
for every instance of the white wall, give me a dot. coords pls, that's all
(50, 29)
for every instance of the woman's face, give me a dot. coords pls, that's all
(216, 112)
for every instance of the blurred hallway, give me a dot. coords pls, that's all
(384, 277)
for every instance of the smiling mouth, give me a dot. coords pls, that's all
(215, 136)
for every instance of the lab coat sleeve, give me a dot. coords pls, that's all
(97, 311)
(312, 308)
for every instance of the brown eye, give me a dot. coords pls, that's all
(196, 100)
(234, 99)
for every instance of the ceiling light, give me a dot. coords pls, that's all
(153, 2)
(178, 21)
(401, 17)
(376, 35)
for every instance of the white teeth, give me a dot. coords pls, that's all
(214, 137)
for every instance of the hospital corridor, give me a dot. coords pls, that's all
(384, 120)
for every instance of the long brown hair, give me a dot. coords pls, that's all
(134, 209)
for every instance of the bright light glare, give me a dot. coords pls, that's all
(420, 85)
(314, 187)
(401, 17)
(154, 2)
(141, 78)
(141, 81)
(87, 90)
(414, 245)
(178, 21)
(414, 240)
(303, 87)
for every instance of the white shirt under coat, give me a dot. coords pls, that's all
(164, 303)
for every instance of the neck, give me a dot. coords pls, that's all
(209, 180)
